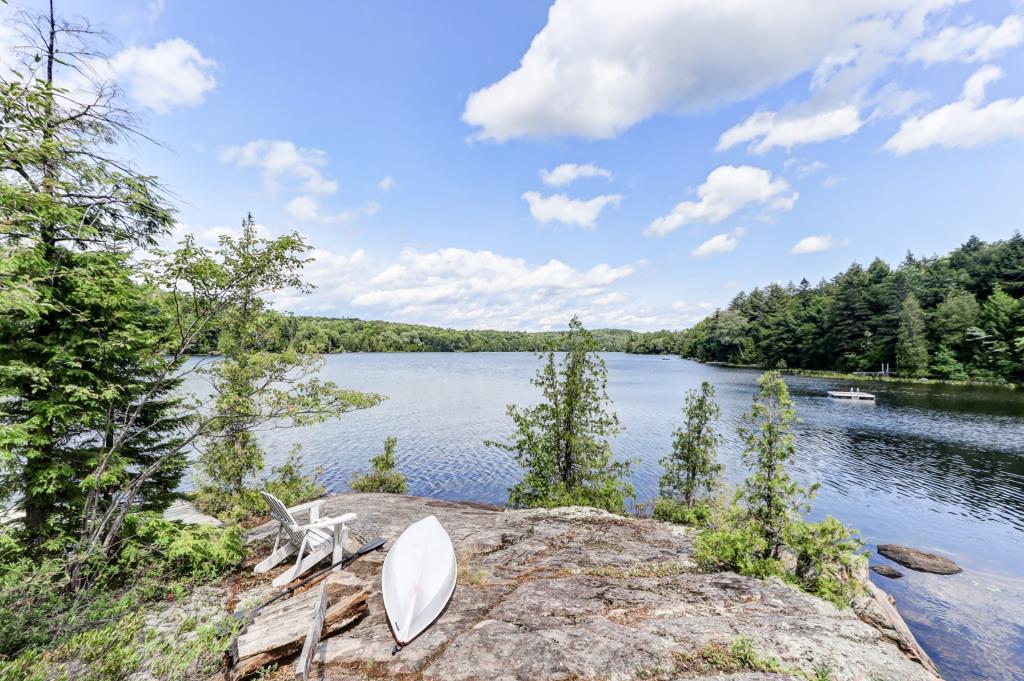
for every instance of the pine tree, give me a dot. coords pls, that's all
(562, 442)
(912, 341)
(692, 465)
(772, 498)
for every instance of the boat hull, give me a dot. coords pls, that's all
(418, 578)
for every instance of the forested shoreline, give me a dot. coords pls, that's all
(956, 317)
(325, 335)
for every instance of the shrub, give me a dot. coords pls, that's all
(671, 511)
(287, 483)
(197, 552)
(383, 477)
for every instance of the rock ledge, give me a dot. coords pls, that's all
(582, 594)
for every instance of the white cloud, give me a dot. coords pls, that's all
(975, 43)
(721, 243)
(461, 288)
(171, 74)
(831, 181)
(386, 183)
(813, 244)
(279, 159)
(570, 172)
(307, 209)
(727, 190)
(766, 130)
(599, 67)
(965, 123)
(560, 208)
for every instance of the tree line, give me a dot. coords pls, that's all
(324, 335)
(958, 317)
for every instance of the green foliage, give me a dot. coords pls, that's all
(287, 482)
(772, 498)
(738, 656)
(827, 555)
(252, 387)
(329, 335)
(196, 552)
(562, 442)
(154, 558)
(671, 511)
(911, 343)
(760, 532)
(968, 302)
(79, 343)
(383, 477)
(121, 649)
(692, 465)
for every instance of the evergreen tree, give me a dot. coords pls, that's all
(79, 341)
(562, 442)
(692, 465)
(912, 343)
(254, 387)
(772, 498)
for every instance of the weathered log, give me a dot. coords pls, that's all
(282, 635)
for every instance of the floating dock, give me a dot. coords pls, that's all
(853, 394)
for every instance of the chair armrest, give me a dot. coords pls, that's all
(314, 513)
(328, 522)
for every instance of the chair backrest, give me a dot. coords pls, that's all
(280, 513)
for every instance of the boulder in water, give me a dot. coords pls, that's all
(922, 561)
(886, 571)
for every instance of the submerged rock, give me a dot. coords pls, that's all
(886, 571)
(922, 561)
(583, 594)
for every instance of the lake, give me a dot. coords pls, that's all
(934, 467)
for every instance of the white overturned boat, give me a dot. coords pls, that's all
(418, 578)
(853, 394)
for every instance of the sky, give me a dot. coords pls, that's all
(508, 165)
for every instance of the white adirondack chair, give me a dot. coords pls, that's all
(312, 541)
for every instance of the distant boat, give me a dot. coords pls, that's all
(853, 394)
(418, 578)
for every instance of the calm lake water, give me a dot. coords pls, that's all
(935, 467)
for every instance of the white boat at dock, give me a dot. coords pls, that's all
(853, 394)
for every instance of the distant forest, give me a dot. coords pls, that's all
(959, 316)
(328, 335)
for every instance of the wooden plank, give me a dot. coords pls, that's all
(316, 626)
(285, 628)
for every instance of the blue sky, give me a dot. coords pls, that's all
(706, 147)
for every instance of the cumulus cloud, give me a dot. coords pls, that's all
(281, 159)
(766, 130)
(171, 74)
(975, 43)
(307, 209)
(720, 243)
(727, 190)
(965, 123)
(560, 208)
(386, 183)
(813, 244)
(599, 67)
(570, 172)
